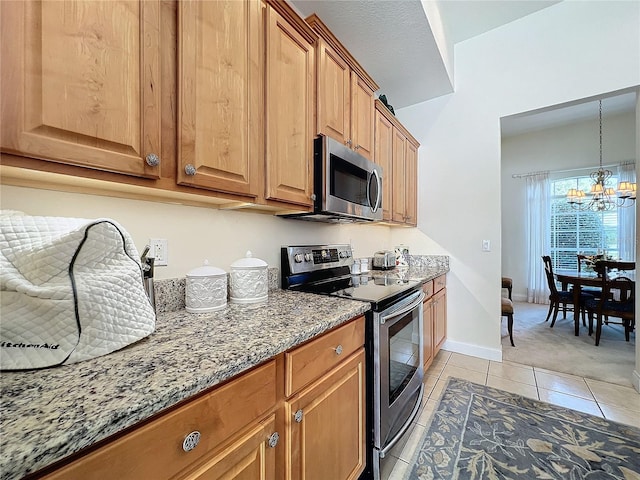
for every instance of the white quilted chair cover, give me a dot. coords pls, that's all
(71, 289)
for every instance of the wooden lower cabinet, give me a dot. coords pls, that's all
(427, 334)
(249, 457)
(248, 428)
(439, 319)
(326, 425)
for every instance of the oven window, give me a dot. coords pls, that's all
(348, 182)
(404, 353)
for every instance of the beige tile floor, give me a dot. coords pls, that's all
(606, 400)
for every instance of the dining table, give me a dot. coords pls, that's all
(584, 279)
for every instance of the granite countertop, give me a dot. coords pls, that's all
(46, 415)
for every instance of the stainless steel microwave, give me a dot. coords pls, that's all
(347, 186)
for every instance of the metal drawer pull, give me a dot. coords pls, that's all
(298, 416)
(273, 439)
(191, 441)
(189, 169)
(338, 349)
(152, 160)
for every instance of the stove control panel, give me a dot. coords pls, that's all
(309, 258)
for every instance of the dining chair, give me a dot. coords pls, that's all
(607, 306)
(561, 297)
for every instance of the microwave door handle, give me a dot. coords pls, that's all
(374, 207)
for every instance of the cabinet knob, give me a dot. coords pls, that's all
(152, 160)
(189, 169)
(313, 197)
(273, 439)
(191, 441)
(298, 416)
(338, 349)
(348, 142)
(357, 147)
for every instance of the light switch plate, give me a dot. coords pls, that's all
(486, 245)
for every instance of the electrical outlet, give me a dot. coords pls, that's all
(159, 250)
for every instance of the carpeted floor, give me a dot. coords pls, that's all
(479, 432)
(560, 350)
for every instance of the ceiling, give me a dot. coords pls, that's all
(395, 44)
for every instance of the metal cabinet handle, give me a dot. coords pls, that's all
(189, 169)
(152, 160)
(273, 439)
(338, 349)
(298, 416)
(191, 441)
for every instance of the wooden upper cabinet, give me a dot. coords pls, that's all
(81, 83)
(345, 109)
(220, 85)
(383, 149)
(290, 97)
(399, 176)
(411, 172)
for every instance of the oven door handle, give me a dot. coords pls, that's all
(414, 303)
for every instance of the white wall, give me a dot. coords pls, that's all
(568, 51)
(196, 233)
(560, 148)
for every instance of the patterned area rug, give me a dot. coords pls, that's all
(480, 432)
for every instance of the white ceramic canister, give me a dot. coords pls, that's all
(206, 289)
(248, 281)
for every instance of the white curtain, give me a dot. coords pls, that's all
(538, 231)
(627, 216)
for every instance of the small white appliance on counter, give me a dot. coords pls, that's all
(248, 280)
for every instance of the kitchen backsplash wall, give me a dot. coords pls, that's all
(197, 233)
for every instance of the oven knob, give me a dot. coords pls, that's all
(308, 257)
(343, 254)
(298, 258)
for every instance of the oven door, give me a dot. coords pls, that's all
(398, 375)
(352, 184)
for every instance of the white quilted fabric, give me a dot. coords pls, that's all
(71, 289)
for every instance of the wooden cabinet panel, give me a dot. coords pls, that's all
(411, 172)
(290, 112)
(427, 334)
(439, 318)
(308, 362)
(399, 176)
(155, 449)
(334, 100)
(427, 288)
(329, 441)
(383, 156)
(220, 91)
(81, 83)
(362, 118)
(439, 283)
(249, 457)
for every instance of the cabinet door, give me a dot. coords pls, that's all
(334, 100)
(290, 107)
(220, 91)
(411, 182)
(81, 83)
(399, 176)
(440, 319)
(249, 457)
(383, 157)
(362, 117)
(329, 440)
(427, 335)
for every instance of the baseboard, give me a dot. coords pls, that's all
(635, 380)
(519, 297)
(493, 354)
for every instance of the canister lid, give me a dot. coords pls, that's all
(249, 262)
(206, 271)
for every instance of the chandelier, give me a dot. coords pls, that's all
(602, 197)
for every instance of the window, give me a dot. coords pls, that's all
(574, 231)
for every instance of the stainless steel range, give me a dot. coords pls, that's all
(393, 337)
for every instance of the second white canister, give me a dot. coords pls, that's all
(206, 289)
(248, 280)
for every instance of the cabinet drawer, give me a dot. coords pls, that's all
(308, 362)
(427, 288)
(439, 283)
(155, 449)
